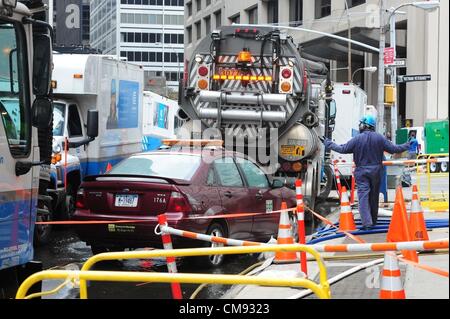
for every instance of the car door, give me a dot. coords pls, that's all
(264, 198)
(234, 196)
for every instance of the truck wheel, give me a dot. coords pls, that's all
(444, 167)
(326, 183)
(434, 168)
(42, 233)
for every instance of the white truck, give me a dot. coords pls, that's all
(160, 120)
(106, 94)
(351, 106)
(25, 134)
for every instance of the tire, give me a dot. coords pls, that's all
(42, 233)
(434, 168)
(214, 261)
(443, 167)
(326, 183)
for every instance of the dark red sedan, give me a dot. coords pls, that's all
(182, 184)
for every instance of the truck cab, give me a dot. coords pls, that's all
(25, 115)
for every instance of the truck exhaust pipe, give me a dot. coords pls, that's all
(243, 115)
(237, 98)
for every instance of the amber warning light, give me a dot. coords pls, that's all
(245, 56)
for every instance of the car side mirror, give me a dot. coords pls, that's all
(42, 112)
(276, 183)
(42, 64)
(92, 124)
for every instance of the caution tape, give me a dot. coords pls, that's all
(328, 222)
(154, 218)
(360, 240)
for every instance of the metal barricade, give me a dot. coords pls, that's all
(433, 185)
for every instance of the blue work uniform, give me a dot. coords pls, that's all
(413, 148)
(368, 149)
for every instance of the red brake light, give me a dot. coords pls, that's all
(203, 71)
(346, 92)
(79, 203)
(178, 204)
(286, 73)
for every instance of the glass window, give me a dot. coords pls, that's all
(207, 21)
(59, 118)
(272, 11)
(218, 16)
(145, 37)
(138, 37)
(296, 12)
(253, 15)
(323, 8)
(354, 3)
(228, 172)
(171, 166)
(14, 98)
(253, 174)
(74, 122)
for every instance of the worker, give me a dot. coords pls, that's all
(414, 148)
(368, 149)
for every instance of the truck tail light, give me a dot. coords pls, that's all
(203, 77)
(286, 79)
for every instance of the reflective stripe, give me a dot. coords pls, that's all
(300, 216)
(391, 284)
(392, 273)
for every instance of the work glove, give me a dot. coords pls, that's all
(327, 143)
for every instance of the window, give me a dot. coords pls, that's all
(255, 177)
(59, 118)
(253, 15)
(189, 34)
(198, 30)
(198, 4)
(354, 3)
(170, 166)
(74, 123)
(14, 97)
(208, 2)
(189, 9)
(323, 8)
(207, 22)
(228, 173)
(296, 12)
(235, 19)
(272, 11)
(218, 17)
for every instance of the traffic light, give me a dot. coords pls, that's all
(390, 94)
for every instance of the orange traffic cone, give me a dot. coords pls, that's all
(285, 237)
(108, 167)
(417, 224)
(391, 282)
(399, 226)
(346, 221)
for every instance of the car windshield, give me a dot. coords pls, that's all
(177, 166)
(59, 115)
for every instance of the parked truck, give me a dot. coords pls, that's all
(25, 135)
(242, 80)
(98, 111)
(160, 120)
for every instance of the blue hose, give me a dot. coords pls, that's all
(328, 233)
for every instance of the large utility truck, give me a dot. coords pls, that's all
(97, 110)
(253, 87)
(25, 135)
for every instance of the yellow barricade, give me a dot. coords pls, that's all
(321, 289)
(429, 179)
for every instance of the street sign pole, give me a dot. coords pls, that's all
(394, 112)
(380, 108)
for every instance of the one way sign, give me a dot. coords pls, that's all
(413, 78)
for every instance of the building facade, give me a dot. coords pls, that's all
(70, 22)
(147, 32)
(421, 38)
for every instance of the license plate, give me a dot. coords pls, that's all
(126, 200)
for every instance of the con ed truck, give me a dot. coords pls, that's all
(25, 137)
(253, 88)
(97, 122)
